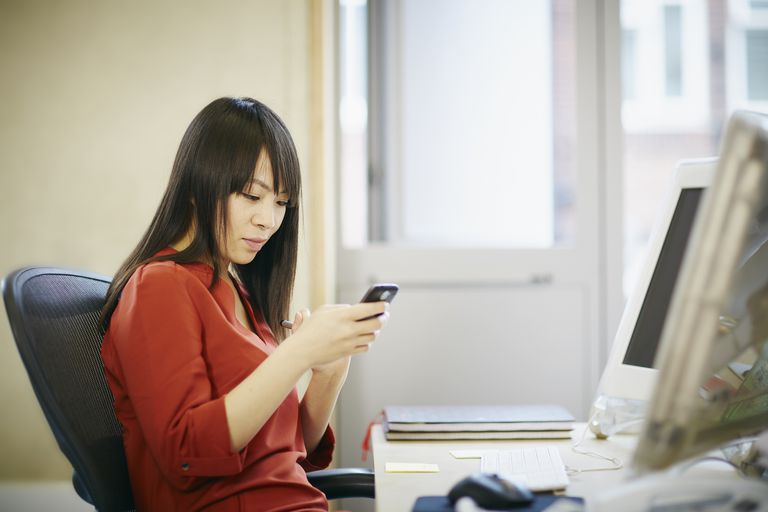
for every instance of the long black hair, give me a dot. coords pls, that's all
(217, 157)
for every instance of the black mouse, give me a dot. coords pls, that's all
(490, 491)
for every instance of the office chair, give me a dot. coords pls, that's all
(54, 316)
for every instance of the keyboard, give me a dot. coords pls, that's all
(539, 468)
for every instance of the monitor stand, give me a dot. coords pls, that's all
(613, 415)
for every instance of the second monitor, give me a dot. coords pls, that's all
(629, 375)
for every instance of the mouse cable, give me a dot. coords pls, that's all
(616, 463)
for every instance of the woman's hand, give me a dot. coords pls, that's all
(329, 337)
(337, 368)
(325, 342)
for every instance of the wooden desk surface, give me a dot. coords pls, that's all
(396, 492)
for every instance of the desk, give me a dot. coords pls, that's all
(396, 492)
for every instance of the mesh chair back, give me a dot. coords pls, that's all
(54, 315)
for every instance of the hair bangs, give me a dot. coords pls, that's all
(245, 146)
(286, 172)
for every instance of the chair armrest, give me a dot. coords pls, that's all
(344, 482)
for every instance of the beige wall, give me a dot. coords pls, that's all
(94, 98)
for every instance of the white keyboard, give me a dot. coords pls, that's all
(539, 468)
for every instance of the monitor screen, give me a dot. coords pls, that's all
(641, 350)
(712, 383)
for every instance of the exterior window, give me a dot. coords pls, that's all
(757, 65)
(628, 63)
(667, 106)
(673, 48)
(697, 62)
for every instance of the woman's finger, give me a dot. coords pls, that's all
(300, 317)
(368, 337)
(372, 324)
(364, 310)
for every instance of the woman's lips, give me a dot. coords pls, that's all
(255, 243)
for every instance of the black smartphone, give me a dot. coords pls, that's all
(379, 292)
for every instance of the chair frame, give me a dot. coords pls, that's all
(58, 420)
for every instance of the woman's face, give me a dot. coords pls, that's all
(254, 215)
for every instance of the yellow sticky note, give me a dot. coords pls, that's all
(410, 467)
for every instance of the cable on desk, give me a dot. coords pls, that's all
(616, 463)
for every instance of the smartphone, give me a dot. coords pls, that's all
(379, 292)
(376, 293)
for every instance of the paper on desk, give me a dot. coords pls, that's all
(467, 454)
(410, 467)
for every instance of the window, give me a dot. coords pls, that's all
(628, 63)
(673, 50)
(672, 106)
(696, 63)
(466, 128)
(757, 65)
(746, 48)
(353, 118)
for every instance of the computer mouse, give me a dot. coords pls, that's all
(490, 491)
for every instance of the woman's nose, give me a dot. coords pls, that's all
(264, 217)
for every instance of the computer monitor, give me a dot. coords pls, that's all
(712, 383)
(629, 375)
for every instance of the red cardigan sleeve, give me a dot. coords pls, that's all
(158, 340)
(321, 457)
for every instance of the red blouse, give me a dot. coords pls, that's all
(172, 351)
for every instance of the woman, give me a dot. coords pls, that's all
(205, 393)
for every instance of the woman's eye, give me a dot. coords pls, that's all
(282, 203)
(250, 197)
